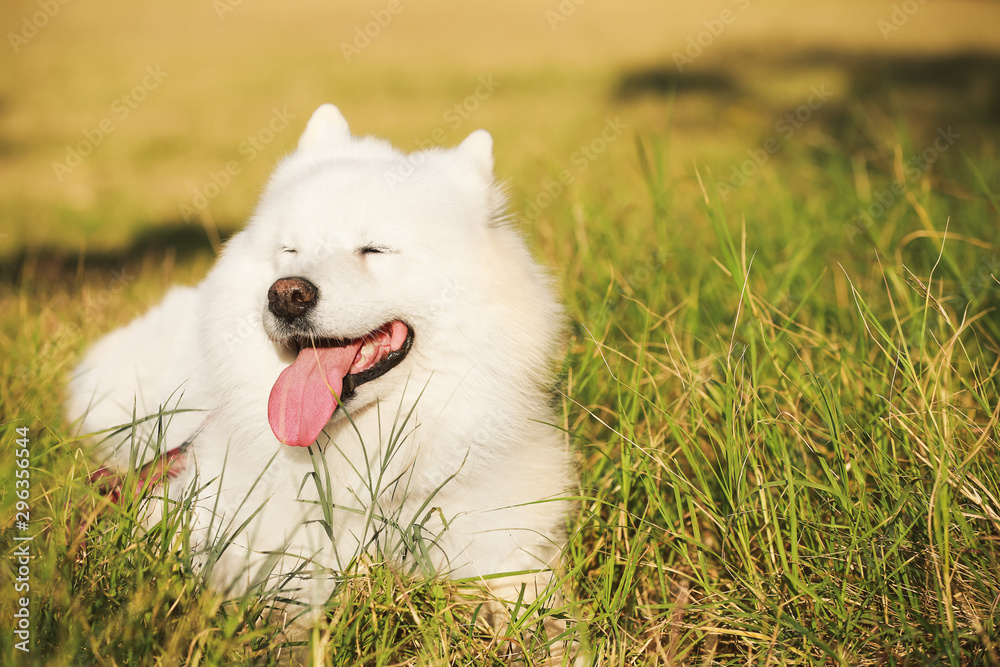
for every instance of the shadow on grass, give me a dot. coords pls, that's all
(667, 80)
(155, 245)
(961, 88)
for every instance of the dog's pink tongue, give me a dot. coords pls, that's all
(306, 393)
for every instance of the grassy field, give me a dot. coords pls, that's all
(779, 254)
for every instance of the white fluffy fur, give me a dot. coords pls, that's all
(479, 445)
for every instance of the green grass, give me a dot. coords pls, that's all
(785, 415)
(787, 437)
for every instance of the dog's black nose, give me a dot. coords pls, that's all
(289, 298)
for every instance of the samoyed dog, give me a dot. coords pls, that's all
(365, 373)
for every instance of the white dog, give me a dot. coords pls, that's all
(366, 370)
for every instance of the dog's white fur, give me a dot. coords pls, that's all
(458, 439)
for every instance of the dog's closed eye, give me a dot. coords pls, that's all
(372, 249)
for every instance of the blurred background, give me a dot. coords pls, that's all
(127, 127)
(133, 134)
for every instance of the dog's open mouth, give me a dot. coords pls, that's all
(325, 373)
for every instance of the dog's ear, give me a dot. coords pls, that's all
(477, 149)
(326, 127)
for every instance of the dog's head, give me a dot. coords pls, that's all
(369, 253)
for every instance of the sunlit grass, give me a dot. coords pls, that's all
(787, 444)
